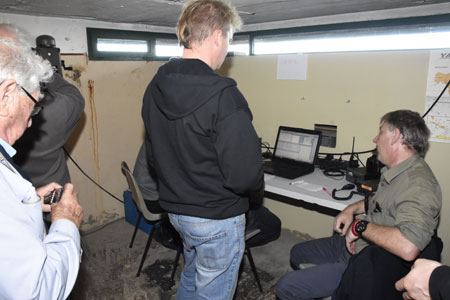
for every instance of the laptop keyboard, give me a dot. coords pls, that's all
(285, 169)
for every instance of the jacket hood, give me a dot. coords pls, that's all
(197, 81)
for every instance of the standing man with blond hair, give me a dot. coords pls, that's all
(206, 153)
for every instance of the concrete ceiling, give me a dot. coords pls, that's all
(255, 13)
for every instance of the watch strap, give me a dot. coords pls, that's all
(354, 228)
(358, 227)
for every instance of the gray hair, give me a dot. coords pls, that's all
(14, 32)
(19, 63)
(414, 131)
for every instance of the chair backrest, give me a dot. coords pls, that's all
(137, 195)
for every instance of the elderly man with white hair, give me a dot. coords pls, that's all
(35, 265)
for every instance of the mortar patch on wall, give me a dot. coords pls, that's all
(75, 74)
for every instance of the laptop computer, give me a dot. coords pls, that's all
(295, 152)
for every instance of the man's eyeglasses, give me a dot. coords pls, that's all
(37, 106)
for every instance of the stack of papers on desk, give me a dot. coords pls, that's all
(301, 184)
(307, 186)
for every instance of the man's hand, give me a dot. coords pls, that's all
(45, 191)
(416, 283)
(350, 239)
(68, 207)
(343, 221)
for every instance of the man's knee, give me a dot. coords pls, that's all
(282, 290)
(295, 255)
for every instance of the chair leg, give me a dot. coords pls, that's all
(175, 263)
(147, 246)
(135, 229)
(83, 246)
(252, 265)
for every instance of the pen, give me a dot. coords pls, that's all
(326, 191)
(294, 182)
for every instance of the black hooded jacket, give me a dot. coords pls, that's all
(201, 141)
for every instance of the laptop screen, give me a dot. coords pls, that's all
(297, 144)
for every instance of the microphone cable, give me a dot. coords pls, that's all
(85, 174)
(437, 99)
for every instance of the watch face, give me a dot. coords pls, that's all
(360, 226)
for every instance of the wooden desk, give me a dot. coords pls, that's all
(310, 190)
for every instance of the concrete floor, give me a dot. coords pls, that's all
(109, 266)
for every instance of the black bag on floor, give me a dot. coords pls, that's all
(167, 235)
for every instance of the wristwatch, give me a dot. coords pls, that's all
(359, 226)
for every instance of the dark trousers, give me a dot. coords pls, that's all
(372, 273)
(330, 256)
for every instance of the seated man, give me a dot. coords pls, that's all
(401, 218)
(145, 178)
(258, 216)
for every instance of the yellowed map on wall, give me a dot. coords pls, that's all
(438, 119)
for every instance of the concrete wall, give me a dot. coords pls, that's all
(110, 131)
(350, 90)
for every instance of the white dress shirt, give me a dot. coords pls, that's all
(33, 266)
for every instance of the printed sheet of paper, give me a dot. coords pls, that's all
(292, 67)
(438, 119)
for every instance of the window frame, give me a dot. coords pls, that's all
(434, 22)
(93, 34)
(370, 26)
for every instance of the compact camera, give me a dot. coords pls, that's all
(54, 196)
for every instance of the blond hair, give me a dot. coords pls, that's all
(200, 18)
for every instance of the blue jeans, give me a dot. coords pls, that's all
(330, 256)
(213, 251)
